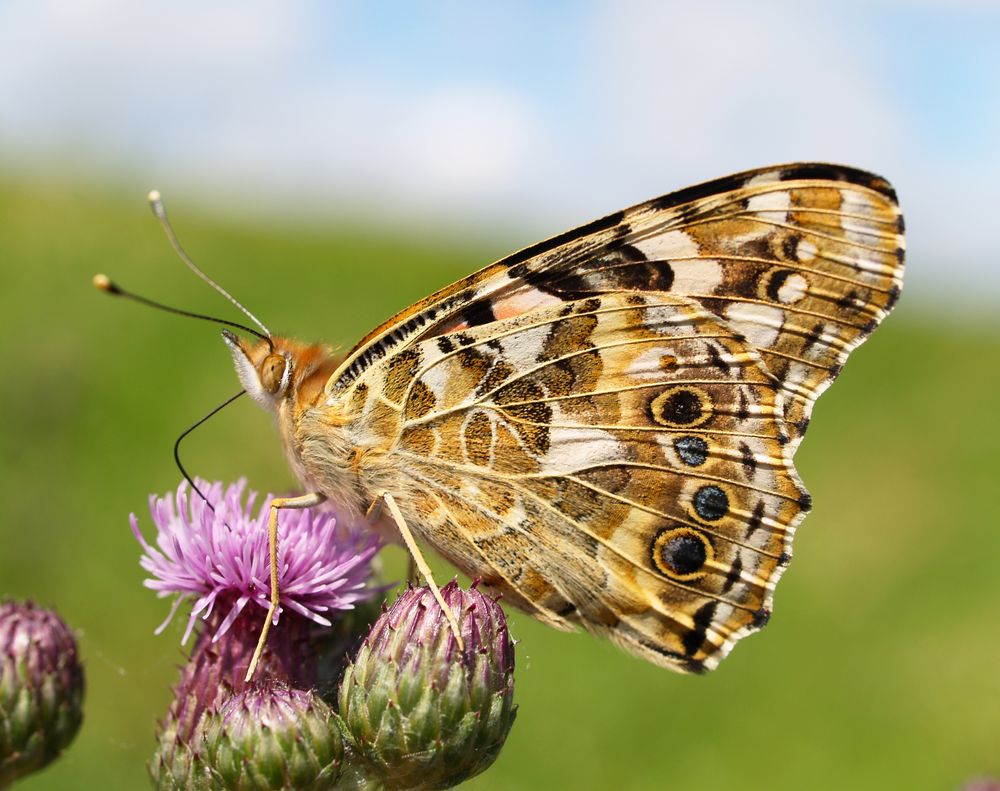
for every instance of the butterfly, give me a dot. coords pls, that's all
(602, 426)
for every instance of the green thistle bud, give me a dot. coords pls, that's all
(41, 689)
(270, 737)
(298, 656)
(417, 710)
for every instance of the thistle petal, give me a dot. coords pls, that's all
(207, 555)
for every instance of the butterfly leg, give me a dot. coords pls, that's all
(417, 557)
(372, 516)
(306, 501)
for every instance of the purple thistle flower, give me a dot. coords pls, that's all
(221, 556)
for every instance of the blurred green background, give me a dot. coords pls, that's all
(880, 668)
(330, 163)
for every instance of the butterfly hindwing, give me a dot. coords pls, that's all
(617, 462)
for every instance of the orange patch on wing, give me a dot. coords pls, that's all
(521, 302)
(455, 326)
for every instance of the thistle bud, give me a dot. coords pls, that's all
(419, 711)
(298, 656)
(270, 737)
(41, 689)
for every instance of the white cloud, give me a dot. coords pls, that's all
(726, 86)
(254, 98)
(464, 140)
(105, 67)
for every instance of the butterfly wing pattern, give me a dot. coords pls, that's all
(602, 425)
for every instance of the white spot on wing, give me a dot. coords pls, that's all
(805, 251)
(773, 205)
(760, 323)
(573, 448)
(692, 275)
(436, 380)
(697, 277)
(793, 289)
(672, 244)
(523, 349)
(857, 202)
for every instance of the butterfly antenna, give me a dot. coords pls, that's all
(177, 447)
(156, 203)
(108, 286)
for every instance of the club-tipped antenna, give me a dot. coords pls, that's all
(156, 203)
(108, 286)
(177, 447)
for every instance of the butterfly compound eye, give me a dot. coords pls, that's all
(272, 372)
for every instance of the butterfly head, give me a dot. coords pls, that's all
(264, 369)
(272, 370)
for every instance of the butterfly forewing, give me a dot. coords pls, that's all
(602, 425)
(804, 260)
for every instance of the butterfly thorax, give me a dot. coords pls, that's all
(331, 449)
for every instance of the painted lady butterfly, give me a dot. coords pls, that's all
(602, 425)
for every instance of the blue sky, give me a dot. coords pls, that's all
(517, 119)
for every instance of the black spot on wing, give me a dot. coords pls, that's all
(760, 618)
(756, 518)
(684, 553)
(615, 267)
(893, 298)
(716, 359)
(813, 336)
(690, 665)
(790, 247)
(742, 406)
(849, 301)
(693, 451)
(748, 460)
(710, 503)
(695, 637)
(732, 577)
(478, 313)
